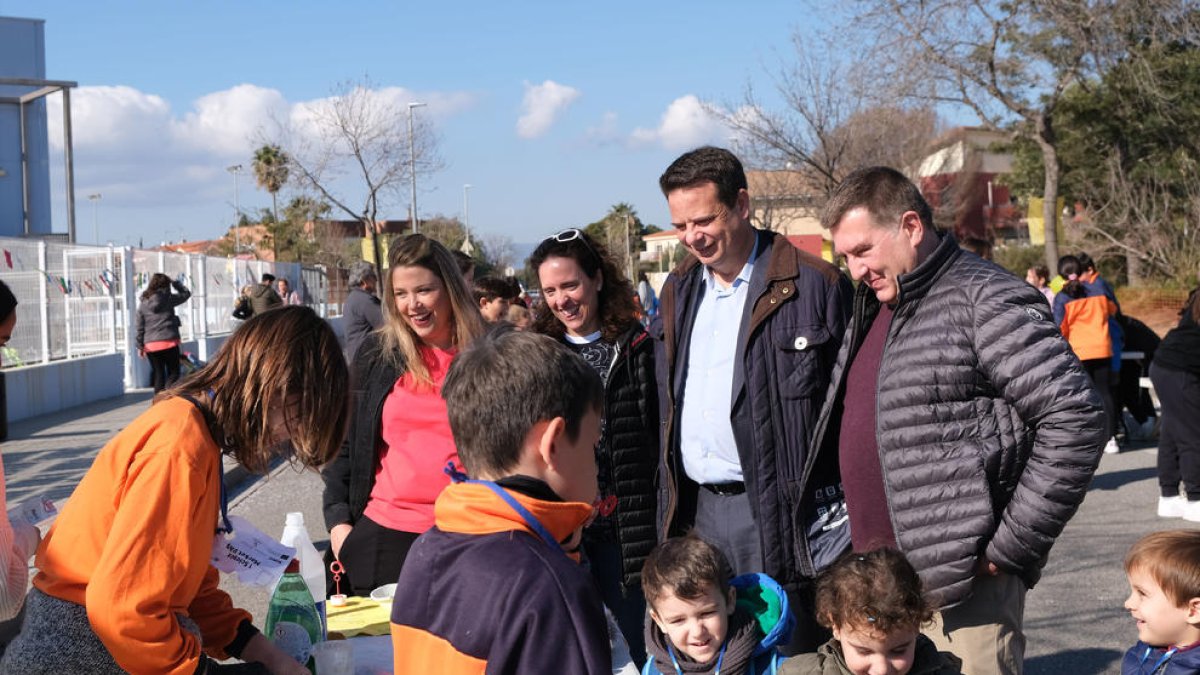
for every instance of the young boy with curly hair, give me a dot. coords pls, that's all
(874, 605)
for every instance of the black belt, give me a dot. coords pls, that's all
(725, 489)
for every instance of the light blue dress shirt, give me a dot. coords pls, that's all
(707, 446)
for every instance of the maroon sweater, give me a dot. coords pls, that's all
(858, 445)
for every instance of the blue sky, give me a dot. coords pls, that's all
(170, 93)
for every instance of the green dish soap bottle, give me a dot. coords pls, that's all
(293, 623)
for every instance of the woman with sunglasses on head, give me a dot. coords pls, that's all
(589, 307)
(379, 491)
(125, 582)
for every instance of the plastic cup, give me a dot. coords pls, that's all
(335, 657)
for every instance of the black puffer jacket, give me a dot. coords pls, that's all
(631, 437)
(795, 314)
(351, 475)
(989, 430)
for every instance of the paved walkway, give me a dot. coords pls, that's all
(1074, 618)
(49, 454)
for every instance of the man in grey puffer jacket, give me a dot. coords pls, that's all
(965, 429)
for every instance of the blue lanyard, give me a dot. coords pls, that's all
(679, 671)
(533, 523)
(1165, 657)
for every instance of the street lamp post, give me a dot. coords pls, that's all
(236, 170)
(94, 198)
(412, 162)
(467, 217)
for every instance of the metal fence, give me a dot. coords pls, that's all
(80, 300)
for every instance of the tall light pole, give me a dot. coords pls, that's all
(467, 217)
(94, 198)
(236, 170)
(412, 162)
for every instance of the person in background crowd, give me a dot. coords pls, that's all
(263, 295)
(1039, 277)
(965, 430)
(17, 539)
(1082, 310)
(747, 333)
(380, 489)
(241, 306)
(361, 312)
(519, 317)
(1141, 419)
(125, 582)
(493, 296)
(157, 329)
(1175, 373)
(647, 297)
(590, 310)
(874, 605)
(288, 296)
(466, 266)
(980, 247)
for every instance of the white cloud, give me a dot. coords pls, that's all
(685, 124)
(542, 105)
(131, 146)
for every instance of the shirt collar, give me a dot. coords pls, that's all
(743, 277)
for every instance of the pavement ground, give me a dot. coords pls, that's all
(1074, 618)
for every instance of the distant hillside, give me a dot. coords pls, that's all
(522, 252)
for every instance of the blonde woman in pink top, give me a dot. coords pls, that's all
(379, 491)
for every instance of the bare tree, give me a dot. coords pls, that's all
(838, 116)
(353, 150)
(1140, 220)
(1009, 61)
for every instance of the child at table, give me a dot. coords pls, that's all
(873, 604)
(1164, 599)
(496, 584)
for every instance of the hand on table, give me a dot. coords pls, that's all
(259, 649)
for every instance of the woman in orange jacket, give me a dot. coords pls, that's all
(125, 582)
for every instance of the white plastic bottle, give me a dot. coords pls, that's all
(312, 566)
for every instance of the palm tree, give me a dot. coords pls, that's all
(271, 172)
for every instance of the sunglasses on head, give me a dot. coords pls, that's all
(571, 234)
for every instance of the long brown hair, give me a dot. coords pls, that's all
(286, 359)
(158, 282)
(615, 304)
(401, 345)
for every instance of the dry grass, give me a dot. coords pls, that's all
(1158, 308)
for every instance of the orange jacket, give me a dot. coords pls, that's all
(133, 544)
(480, 592)
(1084, 321)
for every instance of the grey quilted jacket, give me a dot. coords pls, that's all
(156, 319)
(988, 428)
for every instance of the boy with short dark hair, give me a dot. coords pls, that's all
(495, 586)
(704, 622)
(1164, 598)
(493, 296)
